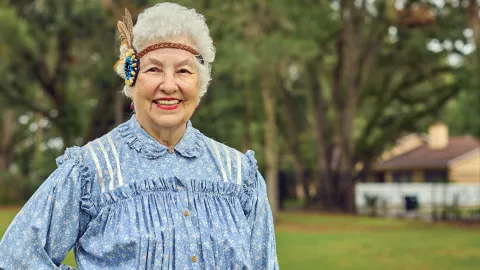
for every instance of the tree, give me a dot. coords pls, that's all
(321, 88)
(371, 79)
(461, 114)
(57, 61)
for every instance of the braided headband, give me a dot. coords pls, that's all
(132, 58)
(167, 45)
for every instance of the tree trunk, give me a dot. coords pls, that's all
(322, 172)
(8, 130)
(473, 20)
(346, 108)
(291, 130)
(347, 185)
(473, 23)
(271, 151)
(247, 119)
(38, 138)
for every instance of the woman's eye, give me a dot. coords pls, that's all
(153, 69)
(184, 71)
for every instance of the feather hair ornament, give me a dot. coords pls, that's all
(128, 53)
(129, 22)
(126, 37)
(126, 28)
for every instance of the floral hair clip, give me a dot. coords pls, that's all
(130, 67)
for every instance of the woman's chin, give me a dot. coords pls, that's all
(168, 120)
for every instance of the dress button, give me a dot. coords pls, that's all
(185, 213)
(170, 151)
(194, 258)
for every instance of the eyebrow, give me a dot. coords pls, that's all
(160, 63)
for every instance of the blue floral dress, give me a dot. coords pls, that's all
(124, 201)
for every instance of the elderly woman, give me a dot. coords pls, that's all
(154, 193)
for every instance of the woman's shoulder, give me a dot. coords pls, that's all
(72, 154)
(91, 159)
(83, 154)
(213, 146)
(230, 156)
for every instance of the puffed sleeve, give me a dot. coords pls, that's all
(48, 226)
(259, 216)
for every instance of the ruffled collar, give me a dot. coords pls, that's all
(137, 138)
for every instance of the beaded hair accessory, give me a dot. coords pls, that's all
(130, 62)
(131, 58)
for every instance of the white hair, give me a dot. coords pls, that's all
(166, 20)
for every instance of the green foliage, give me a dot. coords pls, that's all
(14, 35)
(462, 114)
(60, 54)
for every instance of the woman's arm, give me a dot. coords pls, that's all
(47, 227)
(262, 240)
(262, 250)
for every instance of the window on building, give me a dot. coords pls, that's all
(435, 176)
(402, 177)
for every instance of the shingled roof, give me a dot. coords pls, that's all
(424, 157)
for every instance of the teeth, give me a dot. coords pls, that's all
(167, 102)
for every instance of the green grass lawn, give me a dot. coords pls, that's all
(312, 241)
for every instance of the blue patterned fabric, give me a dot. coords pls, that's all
(124, 201)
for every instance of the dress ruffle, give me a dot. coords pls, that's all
(145, 148)
(246, 192)
(248, 196)
(172, 184)
(193, 150)
(75, 155)
(138, 139)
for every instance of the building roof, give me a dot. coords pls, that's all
(424, 157)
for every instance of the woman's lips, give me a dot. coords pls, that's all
(167, 104)
(167, 107)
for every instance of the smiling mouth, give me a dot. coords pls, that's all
(167, 104)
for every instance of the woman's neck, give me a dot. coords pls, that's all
(166, 136)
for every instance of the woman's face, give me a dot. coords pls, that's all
(167, 88)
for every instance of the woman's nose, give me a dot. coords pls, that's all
(169, 84)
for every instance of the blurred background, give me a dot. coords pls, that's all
(364, 116)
